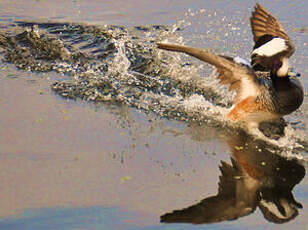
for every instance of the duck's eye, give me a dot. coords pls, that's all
(277, 64)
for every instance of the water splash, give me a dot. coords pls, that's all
(122, 65)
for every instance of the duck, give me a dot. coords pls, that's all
(267, 88)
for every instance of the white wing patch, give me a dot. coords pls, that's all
(274, 46)
(240, 60)
(247, 88)
(274, 210)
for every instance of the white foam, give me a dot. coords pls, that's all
(197, 105)
(120, 63)
(271, 48)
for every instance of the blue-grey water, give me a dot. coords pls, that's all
(71, 164)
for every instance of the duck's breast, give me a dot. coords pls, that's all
(290, 95)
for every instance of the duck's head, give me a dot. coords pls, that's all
(280, 212)
(281, 68)
(279, 206)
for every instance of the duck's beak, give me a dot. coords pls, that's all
(292, 73)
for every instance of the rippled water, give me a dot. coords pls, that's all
(152, 137)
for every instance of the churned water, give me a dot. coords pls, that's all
(101, 130)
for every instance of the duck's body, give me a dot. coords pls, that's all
(261, 96)
(289, 95)
(265, 89)
(274, 97)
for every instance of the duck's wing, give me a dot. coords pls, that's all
(271, 40)
(211, 210)
(240, 78)
(262, 23)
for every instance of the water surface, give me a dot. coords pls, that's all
(71, 164)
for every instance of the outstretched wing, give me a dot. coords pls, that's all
(239, 77)
(211, 210)
(262, 23)
(271, 40)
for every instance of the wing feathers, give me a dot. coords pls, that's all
(237, 76)
(266, 29)
(262, 20)
(201, 54)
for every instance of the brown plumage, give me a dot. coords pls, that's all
(260, 96)
(265, 26)
(230, 73)
(262, 23)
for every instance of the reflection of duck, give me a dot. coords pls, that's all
(256, 178)
(266, 90)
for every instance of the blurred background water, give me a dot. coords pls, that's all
(69, 164)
